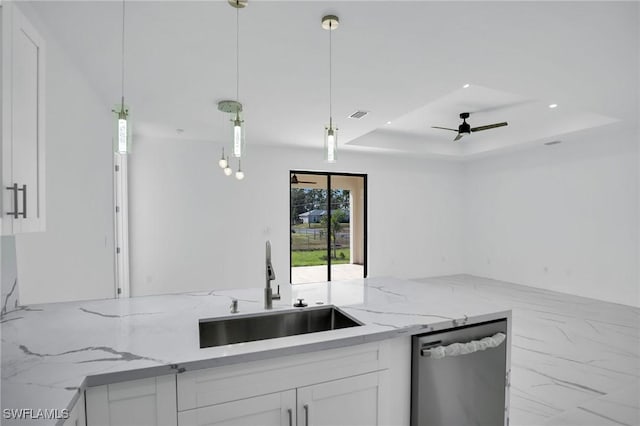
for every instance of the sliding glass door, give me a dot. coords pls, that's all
(327, 226)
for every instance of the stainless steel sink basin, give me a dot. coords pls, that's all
(269, 325)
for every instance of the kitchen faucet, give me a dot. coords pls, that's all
(269, 297)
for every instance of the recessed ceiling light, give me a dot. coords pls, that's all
(388, 122)
(553, 106)
(466, 85)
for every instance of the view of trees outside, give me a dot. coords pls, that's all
(309, 240)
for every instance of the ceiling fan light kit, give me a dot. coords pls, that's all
(465, 128)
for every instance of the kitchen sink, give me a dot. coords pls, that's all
(269, 325)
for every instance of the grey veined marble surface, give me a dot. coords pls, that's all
(51, 352)
(574, 361)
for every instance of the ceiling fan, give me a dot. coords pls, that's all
(465, 129)
(295, 181)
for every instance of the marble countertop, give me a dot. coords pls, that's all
(51, 352)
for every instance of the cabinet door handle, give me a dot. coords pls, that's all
(306, 414)
(290, 413)
(24, 201)
(14, 188)
(15, 213)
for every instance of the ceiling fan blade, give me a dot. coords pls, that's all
(444, 128)
(460, 135)
(488, 126)
(295, 181)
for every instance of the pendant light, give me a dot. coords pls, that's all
(227, 169)
(239, 173)
(234, 108)
(222, 162)
(330, 23)
(123, 124)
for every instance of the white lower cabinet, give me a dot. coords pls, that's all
(135, 403)
(334, 387)
(353, 401)
(77, 415)
(350, 386)
(275, 409)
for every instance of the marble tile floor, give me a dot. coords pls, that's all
(575, 361)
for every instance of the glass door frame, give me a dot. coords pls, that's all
(365, 249)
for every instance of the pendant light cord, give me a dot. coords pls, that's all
(330, 78)
(238, 51)
(122, 58)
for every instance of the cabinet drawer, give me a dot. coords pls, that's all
(232, 382)
(276, 409)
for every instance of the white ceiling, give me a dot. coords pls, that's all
(405, 62)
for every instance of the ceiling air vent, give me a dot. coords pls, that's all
(359, 114)
(552, 143)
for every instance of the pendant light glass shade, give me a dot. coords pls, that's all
(223, 161)
(234, 109)
(122, 139)
(330, 143)
(238, 136)
(227, 170)
(239, 173)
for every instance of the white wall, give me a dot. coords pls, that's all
(194, 228)
(562, 217)
(570, 208)
(73, 259)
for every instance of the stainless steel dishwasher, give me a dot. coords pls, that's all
(459, 376)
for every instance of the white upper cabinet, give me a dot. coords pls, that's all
(23, 145)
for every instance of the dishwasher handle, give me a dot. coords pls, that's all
(456, 349)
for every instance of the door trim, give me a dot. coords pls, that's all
(365, 223)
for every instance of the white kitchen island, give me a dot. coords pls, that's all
(130, 348)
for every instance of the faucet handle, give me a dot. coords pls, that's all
(270, 273)
(276, 296)
(300, 304)
(234, 306)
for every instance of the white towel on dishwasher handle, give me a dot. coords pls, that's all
(456, 349)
